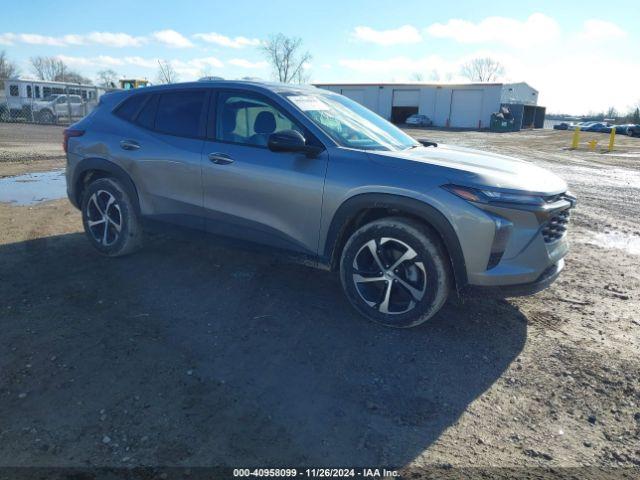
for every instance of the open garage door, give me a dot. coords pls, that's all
(405, 103)
(466, 108)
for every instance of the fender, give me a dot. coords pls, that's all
(357, 204)
(103, 165)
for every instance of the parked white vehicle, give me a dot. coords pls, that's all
(419, 120)
(53, 107)
(32, 100)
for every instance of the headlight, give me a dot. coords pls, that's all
(492, 196)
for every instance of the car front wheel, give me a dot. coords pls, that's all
(46, 116)
(395, 272)
(109, 218)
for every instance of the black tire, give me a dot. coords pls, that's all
(5, 114)
(427, 273)
(46, 116)
(106, 195)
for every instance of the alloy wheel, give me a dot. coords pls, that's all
(389, 275)
(104, 218)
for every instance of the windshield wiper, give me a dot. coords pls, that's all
(427, 143)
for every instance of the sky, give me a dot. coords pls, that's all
(582, 56)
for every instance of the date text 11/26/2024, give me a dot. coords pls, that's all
(316, 472)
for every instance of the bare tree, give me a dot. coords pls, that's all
(417, 77)
(107, 78)
(286, 58)
(73, 77)
(48, 68)
(482, 69)
(166, 72)
(8, 69)
(611, 113)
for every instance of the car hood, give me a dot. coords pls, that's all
(466, 166)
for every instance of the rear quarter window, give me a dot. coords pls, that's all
(130, 107)
(147, 115)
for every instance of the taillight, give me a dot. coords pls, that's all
(68, 133)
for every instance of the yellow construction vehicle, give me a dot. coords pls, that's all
(129, 83)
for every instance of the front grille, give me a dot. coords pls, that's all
(556, 226)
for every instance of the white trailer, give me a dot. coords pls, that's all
(37, 100)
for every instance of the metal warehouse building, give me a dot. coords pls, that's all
(468, 105)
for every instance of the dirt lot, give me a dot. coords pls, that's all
(26, 147)
(191, 354)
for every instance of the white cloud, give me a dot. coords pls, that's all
(7, 38)
(536, 29)
(73, 39)
(142, 62)
(224, 41)
(401, 35)
(77, 61)
(111, 61)
(187, 69)
(241, 62)
(601, 30)
(36, 39)
(111, 39)
(171, 38)
(99, 61)
(205, 62)
(569, 83)
(107, 39)
(195, 67)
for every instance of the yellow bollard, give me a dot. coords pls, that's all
(612, 138)
(592, 145)
(576, 138)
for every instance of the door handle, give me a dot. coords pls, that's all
(129, 145)
(220, 158)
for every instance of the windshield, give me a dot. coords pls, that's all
(350, 124)
(50, 98)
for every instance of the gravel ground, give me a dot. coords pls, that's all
(192, 354)
(26, 147)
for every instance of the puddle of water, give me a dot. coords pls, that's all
(33, 188)
(618, 240)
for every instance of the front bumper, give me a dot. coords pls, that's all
(520, 290)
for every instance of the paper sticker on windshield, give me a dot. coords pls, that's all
(307, 102)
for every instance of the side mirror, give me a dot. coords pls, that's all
(291, 141)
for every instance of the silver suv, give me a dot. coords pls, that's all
(314, 174)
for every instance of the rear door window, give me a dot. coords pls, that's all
(180, 113)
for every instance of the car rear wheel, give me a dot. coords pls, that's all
(109, 218)
(395, 272)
